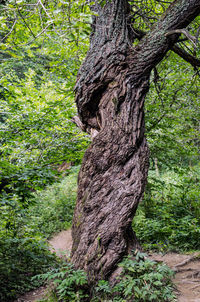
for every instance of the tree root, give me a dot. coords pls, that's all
(181, 270)
(196, 274)
(192, 258)
(190, 282)
(195, 286)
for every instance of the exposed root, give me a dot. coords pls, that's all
(196, 274)
(181, 270)
(192, 258)
(189, 281)
(194, 287)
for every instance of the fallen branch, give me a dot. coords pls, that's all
(181, 270)
(189, 281)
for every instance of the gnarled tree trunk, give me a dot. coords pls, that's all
(111, 87)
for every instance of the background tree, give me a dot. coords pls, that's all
(110, 91)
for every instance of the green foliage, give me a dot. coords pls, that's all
(69, 284)
(23, 232)
(53, 208)
(36, 126)
(141, 280)
(27, 22)
(36, 92)
(168, 218)
(22, 253)
(36, 107)
(172, 114)
(21, 257)
(145, 280)
(42, 46)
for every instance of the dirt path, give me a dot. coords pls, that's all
(187, 278)
(187, 267)
(61, 243)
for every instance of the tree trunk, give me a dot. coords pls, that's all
(110, 92)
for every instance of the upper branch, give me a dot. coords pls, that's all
(156, 43)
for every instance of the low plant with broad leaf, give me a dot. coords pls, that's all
(141, 280)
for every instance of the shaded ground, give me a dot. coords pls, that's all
(187, 267)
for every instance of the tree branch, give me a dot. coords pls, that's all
(186, 56)
(30, 30)
(12, 28)
(184, 32)
(154, 46)
(39, 34)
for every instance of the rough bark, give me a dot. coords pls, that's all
(110, 91)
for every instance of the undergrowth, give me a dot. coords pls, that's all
(167, 219)
(22, 257)
(169, 216)
(141, 280)
(23, 232)
(53, 208)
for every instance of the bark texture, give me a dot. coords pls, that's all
(110, 91)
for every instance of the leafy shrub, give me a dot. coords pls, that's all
(22, 254)
(67, 283)
(168, 218)
(23, 251)
(53, 208)
(142, 280)
(20, 259)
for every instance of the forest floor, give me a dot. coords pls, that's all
(186, 280)
(187, 277)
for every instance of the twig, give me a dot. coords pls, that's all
(189, 281)
(26, 23)
(44, 9)
(193, 275)
(181, 270)
(10, 30)
(40, 33)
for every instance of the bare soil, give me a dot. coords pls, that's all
(187, 267)
(187, 278)
(61, 243)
